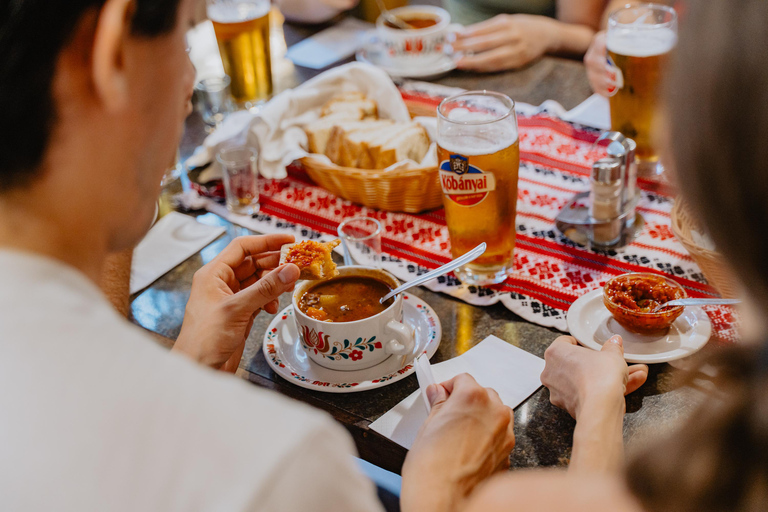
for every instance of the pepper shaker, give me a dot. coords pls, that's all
(605, 201)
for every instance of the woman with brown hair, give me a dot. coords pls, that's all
(716, 105)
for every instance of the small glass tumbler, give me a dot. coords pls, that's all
(214, 99)
(361, 240)
(240, 172)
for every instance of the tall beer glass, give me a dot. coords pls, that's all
(639, 41)
(479, 158)
(242, 31)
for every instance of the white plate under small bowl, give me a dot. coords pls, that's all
(285, 355)
(373, 52)
(591, 324)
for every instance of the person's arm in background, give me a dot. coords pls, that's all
(115, 280)
(509, 41)
(313, 11)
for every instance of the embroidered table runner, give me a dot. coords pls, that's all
(550, 270)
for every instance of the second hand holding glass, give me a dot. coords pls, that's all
(639, 41)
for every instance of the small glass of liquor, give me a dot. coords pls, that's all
(240, 172)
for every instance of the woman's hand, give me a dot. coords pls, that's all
(576, 375)
(506, 41)
(602, 77)
(467, 437)
(226, 296)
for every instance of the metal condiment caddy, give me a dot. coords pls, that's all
(606, 216)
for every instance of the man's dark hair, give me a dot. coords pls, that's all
(32, 34)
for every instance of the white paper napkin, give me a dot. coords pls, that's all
(594, 111)
(512, 372)
(330, 45)
(173, 239)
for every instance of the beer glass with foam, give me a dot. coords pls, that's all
(242, 32)
(479, 157)
(639, 41)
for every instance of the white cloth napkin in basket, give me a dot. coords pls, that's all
(276, 130)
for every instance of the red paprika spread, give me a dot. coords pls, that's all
(631, 299)
(641, 293)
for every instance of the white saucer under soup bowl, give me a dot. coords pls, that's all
(284, 353)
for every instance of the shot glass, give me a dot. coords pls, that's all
(240, 172)
(214, 99)
(361, 240)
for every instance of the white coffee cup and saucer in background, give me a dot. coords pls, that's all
(423, 53)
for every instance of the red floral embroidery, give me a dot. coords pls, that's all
(660, 231)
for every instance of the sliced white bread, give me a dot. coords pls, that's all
(335, 142)
(368, 107)
(319, 131)
(374, 144)
(354, 142)
(412, 143)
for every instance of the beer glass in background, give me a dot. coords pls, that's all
(242, 32)
(639, 41)
(479, 158)
(240, 175)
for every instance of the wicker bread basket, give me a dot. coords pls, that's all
(399, 190)
(711, 263)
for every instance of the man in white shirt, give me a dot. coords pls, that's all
(93, 414)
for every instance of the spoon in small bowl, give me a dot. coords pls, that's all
(398, 22)
(451, 265)
(695, 302)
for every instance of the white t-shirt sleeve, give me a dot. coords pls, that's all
(321, 475)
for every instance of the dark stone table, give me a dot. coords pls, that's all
(544, 432)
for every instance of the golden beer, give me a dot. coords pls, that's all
(478, 155)
(639, 43)
(242, 32)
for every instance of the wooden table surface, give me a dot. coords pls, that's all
(544, 433)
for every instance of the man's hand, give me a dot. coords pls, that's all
(228, 293)
(506, 41)
(576, 375)
(467, 437)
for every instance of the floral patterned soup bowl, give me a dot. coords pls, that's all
(359, 344)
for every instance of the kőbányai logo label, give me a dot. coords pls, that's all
(465, 184)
